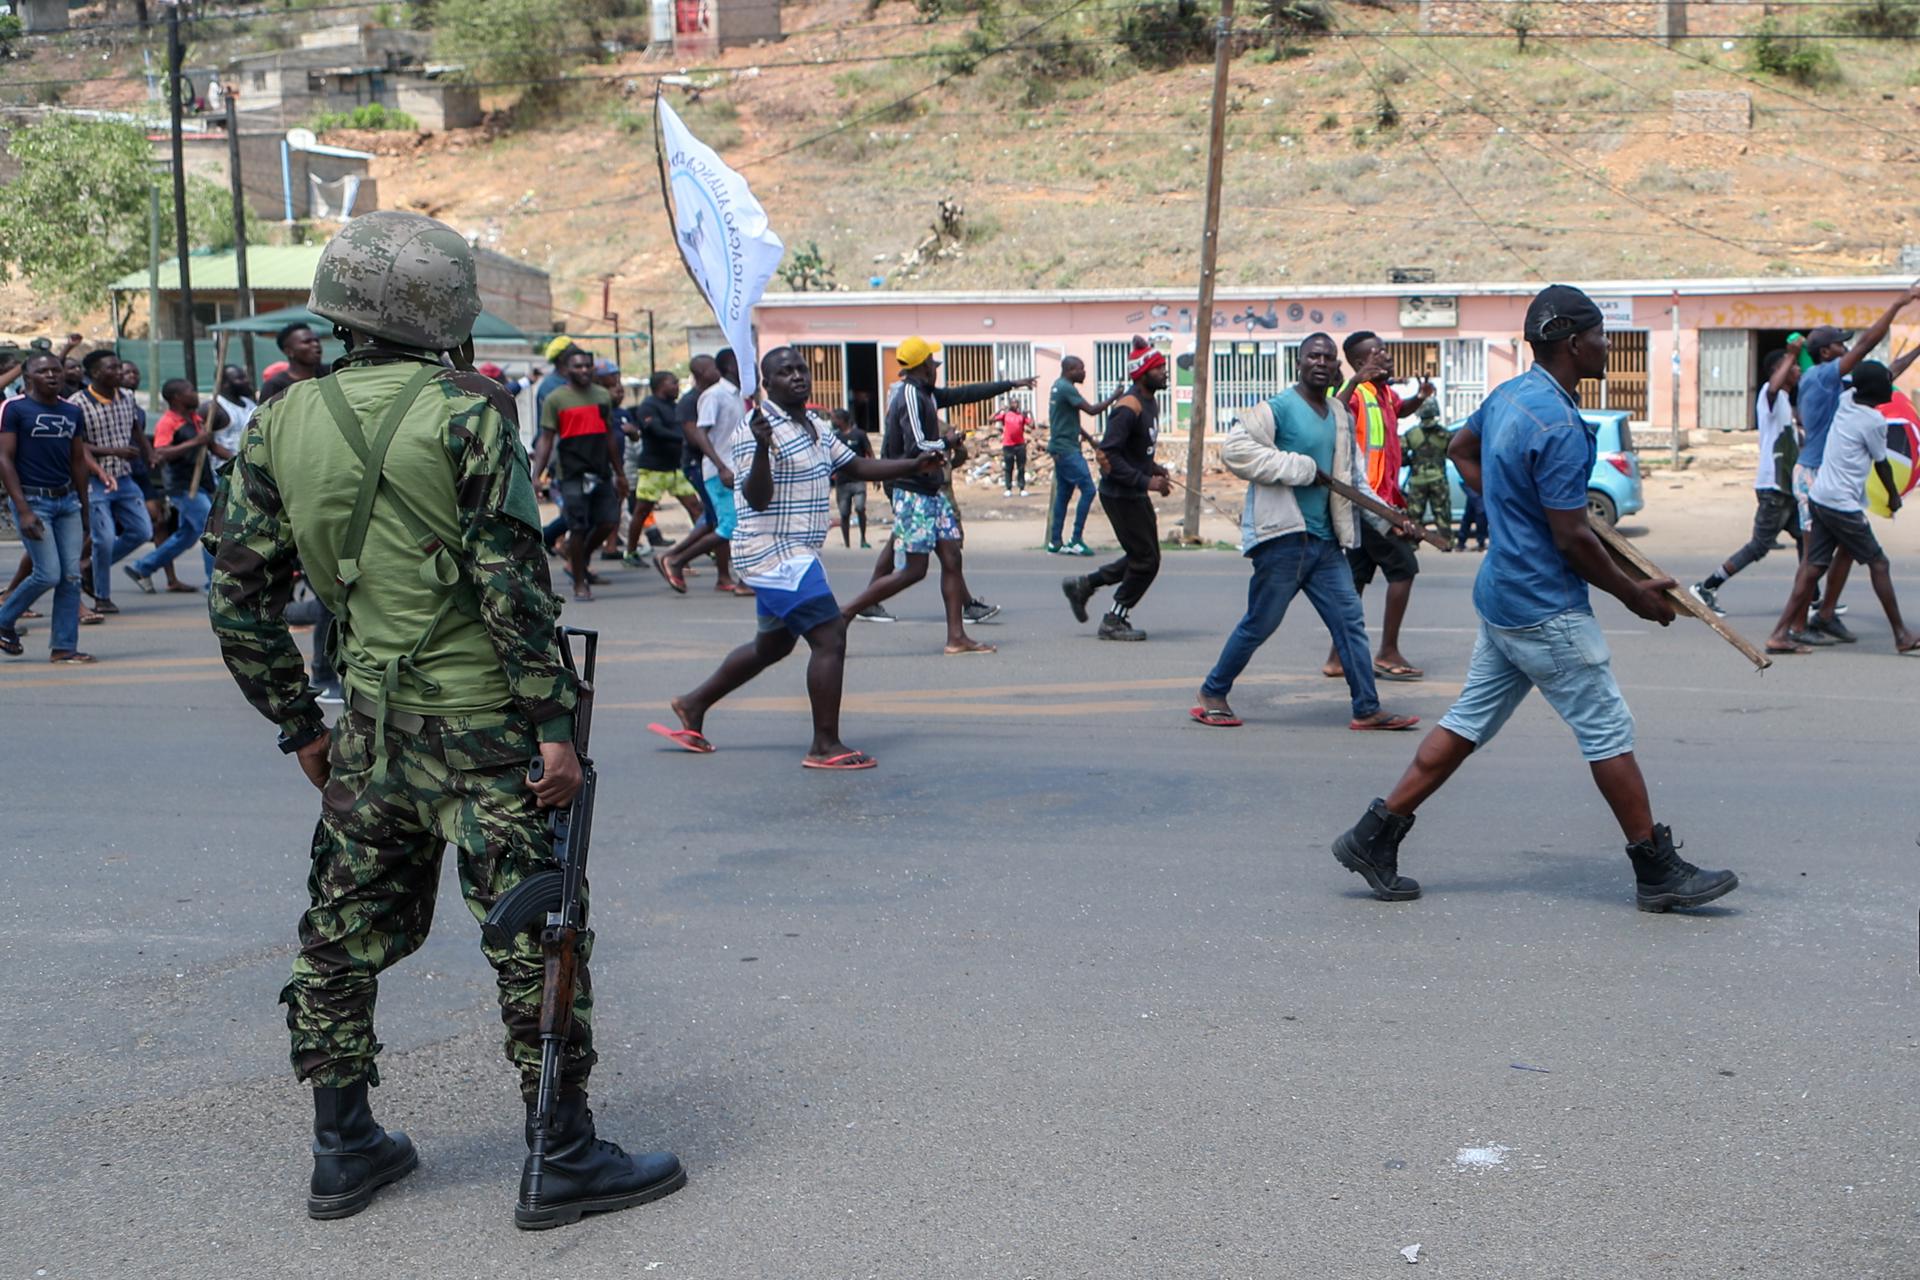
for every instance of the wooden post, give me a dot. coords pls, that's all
(1209, 255)
(239, 232)
(189, 358)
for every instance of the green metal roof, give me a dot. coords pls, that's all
(486, 328)
(284, 268)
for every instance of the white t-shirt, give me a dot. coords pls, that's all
(721, 415)
(1771, 421)
(1857, 440)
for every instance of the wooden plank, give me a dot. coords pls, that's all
(1640, 569)
(1362, 499)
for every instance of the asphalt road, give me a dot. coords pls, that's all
(1068, 987)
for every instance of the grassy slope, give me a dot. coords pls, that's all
(1095, 179)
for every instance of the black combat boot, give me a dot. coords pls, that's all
(1664, 880)
(585, 1175)
(1371, 849)
(352, 1156)
(1117, 627)
(1078, 591)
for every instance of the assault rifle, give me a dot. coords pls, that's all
(552, 901)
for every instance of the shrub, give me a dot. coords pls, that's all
(368, 115)
(1894, 19)
(1167, 33)
(1286, 23)
(1791, 57)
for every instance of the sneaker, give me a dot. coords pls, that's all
(10, 642)
(1078, 591)
(330, 695)
(1814, 638)
(1663, 880)
(1707, 596)
(979, 611)
(634, 560)
(1814, 608)
(1371, 850)
(875, 613)
(103, 604)
(140, 580)
(1079, 548)
(1115, 627)
(1051, 548)
(1008, 493)
(1831, 627)
(1024, 493)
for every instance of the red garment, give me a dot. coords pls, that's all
(1376, 430)
(170, 422)
(1013, 427)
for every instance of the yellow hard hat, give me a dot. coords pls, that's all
(914, 352)
(559, 343)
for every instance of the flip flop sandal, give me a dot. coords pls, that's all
(1908, 652)
(88, 618)
(744, 591)
(1400, 674)
(1392, 724)
(685, 739)
(952, 652)
(679, 584)
(848, 760)
(1215, 717)
(72, 659)
(1789, 648)
(33, 613)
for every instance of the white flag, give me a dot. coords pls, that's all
(722, 233)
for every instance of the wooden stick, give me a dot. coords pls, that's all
(1363, 499)
(1640, 569)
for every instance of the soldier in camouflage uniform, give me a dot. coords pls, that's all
(444, 634)
(1426, 451)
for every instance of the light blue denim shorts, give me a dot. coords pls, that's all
(1566, 657)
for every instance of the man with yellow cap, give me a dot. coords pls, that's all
(924, 521)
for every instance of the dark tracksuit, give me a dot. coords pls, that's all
(1128, 446)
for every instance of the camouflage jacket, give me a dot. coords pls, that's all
(499, 553)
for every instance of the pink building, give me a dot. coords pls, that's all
(1709, 334)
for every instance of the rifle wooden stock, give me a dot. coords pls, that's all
(1641, 569)
(1361, 498)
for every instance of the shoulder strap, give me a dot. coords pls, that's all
(373, 460)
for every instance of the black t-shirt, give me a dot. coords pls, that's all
(662, 443)
(861, 444)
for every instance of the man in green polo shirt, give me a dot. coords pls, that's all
(1064, 406)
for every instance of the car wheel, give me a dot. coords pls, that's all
(1601, 508)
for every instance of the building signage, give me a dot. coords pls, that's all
(1616, 313)
(1429, 311)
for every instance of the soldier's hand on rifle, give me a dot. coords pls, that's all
(1650, 601)
(559, 779)
(314, 763)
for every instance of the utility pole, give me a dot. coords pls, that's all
(1209, 255)
(154, 381)
(1673, 432)
(189, 357)
(239, 226)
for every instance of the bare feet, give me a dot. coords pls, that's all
(1906, 642)
(967, 644)
(1333, 670)
(689, 718)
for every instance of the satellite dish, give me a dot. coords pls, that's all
(301, 139)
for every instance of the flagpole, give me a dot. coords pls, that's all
(666, 195)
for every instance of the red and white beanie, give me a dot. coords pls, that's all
(1143, 359)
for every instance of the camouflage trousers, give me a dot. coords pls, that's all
(458, 780)
(1430, 495)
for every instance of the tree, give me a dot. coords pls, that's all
(75, 218)
(517, 41)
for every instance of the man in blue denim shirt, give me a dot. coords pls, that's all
(1528, 451)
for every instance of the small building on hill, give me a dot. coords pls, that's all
(341, 68)
(702, 28)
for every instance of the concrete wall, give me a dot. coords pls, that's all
(261, 174)
(41, 15)
(1661, 18)
(517, 293)
(438, 105)
(743, 22)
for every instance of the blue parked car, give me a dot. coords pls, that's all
(1613, 490)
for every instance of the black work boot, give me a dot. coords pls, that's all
(352, 1156)
(1078, 591)
(1371, 849)
(1664, 880)
(585, 1175)
(1115, 627)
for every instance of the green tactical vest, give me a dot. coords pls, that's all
(407, 625)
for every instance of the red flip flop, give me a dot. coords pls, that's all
(1215, 718)
(685, 739)
(676, 581)
(848, 760)
(1387, 725)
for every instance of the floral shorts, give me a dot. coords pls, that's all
(922, 519)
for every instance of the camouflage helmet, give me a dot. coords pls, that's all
(399, 276)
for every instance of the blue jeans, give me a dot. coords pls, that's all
(56, 563)
(193, 522)
(125, 510)
(1069, 473)
(1283, 567)
(1566, 656)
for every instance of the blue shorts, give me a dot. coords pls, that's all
(720, 501)
(1566, 656)
(800, 610)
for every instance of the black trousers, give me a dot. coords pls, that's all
(1139, 532)
(1774, 513)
